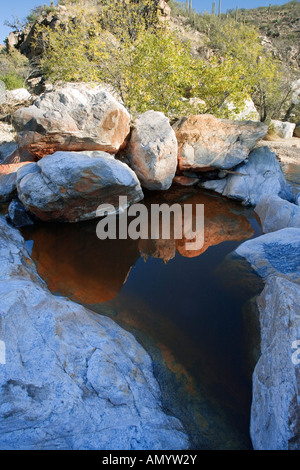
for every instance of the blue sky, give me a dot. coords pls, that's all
(21, 8)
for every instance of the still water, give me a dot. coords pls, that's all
(192, 311)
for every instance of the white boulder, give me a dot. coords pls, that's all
(71, 379)
(285, 130)
(259, 176)
(152, 151)
(276, 214)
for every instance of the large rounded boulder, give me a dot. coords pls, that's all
(70, 186)
(73, 117)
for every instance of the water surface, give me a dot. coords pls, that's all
(190, 309)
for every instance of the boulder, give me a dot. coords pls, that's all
(71, 379)
(298, 199)
(249, 113)
(275, 421)
(69, 186)
(260, 175)
(17, 96)
(274, 254)
(18, 215)
(284, 130)
(205, 142)
(152, 151)
(8, 181)
(275, 213)
(73, 117)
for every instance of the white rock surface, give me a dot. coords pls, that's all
(70, 186)
(249, 112)
(274, 254)
(275, 413)
(17, 96)
(276, 214)
(71, 379)
(261, 175)
(284, 130)
(73, 117)
(152, 151)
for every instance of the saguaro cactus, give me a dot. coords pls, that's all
(236, 13)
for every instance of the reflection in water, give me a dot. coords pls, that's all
(180, 310)
(76, 264)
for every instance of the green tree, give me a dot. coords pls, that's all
(127, 47)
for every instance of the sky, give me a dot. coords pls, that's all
(21, 8)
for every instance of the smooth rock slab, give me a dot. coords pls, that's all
(71, 379)
(275, 423)
(276, 214)
(70, 186)
(261, 175)
(73, 117)
(206, 142)
(274, 254)
(152, 151)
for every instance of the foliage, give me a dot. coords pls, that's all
(12, 81)
(41, 10)
(234, 35)
(147, 64)
(14, 69)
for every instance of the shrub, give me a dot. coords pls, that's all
(12, 81)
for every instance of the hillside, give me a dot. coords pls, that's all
(203, 61)
(279, 26)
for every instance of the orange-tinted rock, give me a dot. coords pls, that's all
(205, 141)
(73, 117)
